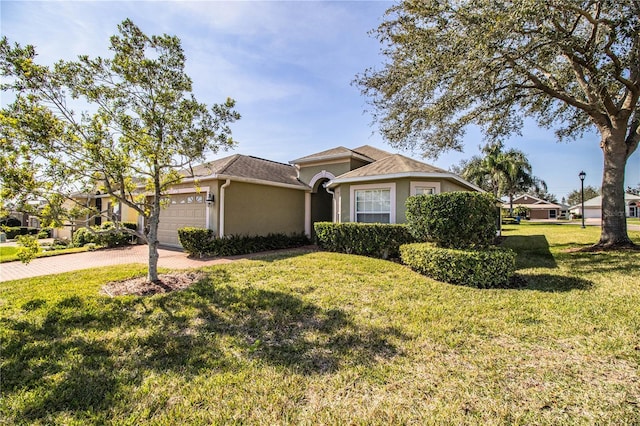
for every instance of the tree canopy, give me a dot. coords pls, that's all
(139, 131)
(570, 64)
(502, 172)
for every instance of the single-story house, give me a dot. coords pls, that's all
(246, 195)
(593, 207)
(537, 207)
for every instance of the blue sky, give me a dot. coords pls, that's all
(289, 66)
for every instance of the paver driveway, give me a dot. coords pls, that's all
(72, 262)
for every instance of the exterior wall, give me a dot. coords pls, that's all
(403, 191)
(542, 214)
(337, 169)
(252, 209)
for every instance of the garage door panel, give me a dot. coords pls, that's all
(178, 214)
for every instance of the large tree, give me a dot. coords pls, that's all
(571, 64)
(140, 126)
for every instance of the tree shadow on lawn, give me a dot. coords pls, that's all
(554, 283)
(533, 251)
(83, 354)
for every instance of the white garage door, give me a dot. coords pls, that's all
(183, 210)
(592, 213)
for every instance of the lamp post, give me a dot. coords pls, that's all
(582, 175)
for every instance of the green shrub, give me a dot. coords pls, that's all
(202, 242)
(84, 236)
(104, 235)
(482, 268)
(12, 232)
(195, 241)
(367, 239)
(453, 219)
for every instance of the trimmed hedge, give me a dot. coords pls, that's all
(367, 239)
(485, 268)
(453, 219)
(12, 232)
(202, 242)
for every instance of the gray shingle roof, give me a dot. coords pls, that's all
(248, 167)
(391, 165)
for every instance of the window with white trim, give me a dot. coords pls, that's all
(373, 203)
(427, 188)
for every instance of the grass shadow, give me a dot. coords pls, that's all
(554, 283)
(533, 251)
(79, 353)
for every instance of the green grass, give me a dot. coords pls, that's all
(9, 253)
(325, 338)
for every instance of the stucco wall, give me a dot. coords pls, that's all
(403, 191)
(252, 209)
(308, 172)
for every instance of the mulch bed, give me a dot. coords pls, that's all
(142, 287)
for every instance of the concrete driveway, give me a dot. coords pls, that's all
(94, 259)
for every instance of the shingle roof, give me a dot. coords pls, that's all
(245, 166)
(372, 152)
(337, 153)
(390, 165)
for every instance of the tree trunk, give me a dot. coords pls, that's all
(152, 241)
(614, 221)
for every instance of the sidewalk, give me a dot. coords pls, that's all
(170, 259)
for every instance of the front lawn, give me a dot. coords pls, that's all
(325, 338)
(10, 253)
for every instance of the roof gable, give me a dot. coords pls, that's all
(391, 165)
(372, 152)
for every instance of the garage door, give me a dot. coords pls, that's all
(183, 210)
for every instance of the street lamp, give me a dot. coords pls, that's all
(582, 175)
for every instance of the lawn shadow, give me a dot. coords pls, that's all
(554, 283)
(78, 354)
(533, 251)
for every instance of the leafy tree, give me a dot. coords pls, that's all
(634, 191)
(502, 172)
(571, 64)
(575, 197)
(140, 126)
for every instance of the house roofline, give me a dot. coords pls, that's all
(301, 187)
(338, 156)
(338, 180)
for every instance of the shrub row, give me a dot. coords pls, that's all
(202, 242)
(367, 239)
(12, 232)
(104, 235)
(483, 268)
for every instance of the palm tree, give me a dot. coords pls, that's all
(502, 172)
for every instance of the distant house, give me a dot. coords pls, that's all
(593, 207)
(537, 207)
(246, 195)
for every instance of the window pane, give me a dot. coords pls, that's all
(373, 205)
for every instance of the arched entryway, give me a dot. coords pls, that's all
(634, 209)
(321, 204)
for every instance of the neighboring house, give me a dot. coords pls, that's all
(538, 208)
(593, 207)
(247, 195)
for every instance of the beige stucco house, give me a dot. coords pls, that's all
(246, 195)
